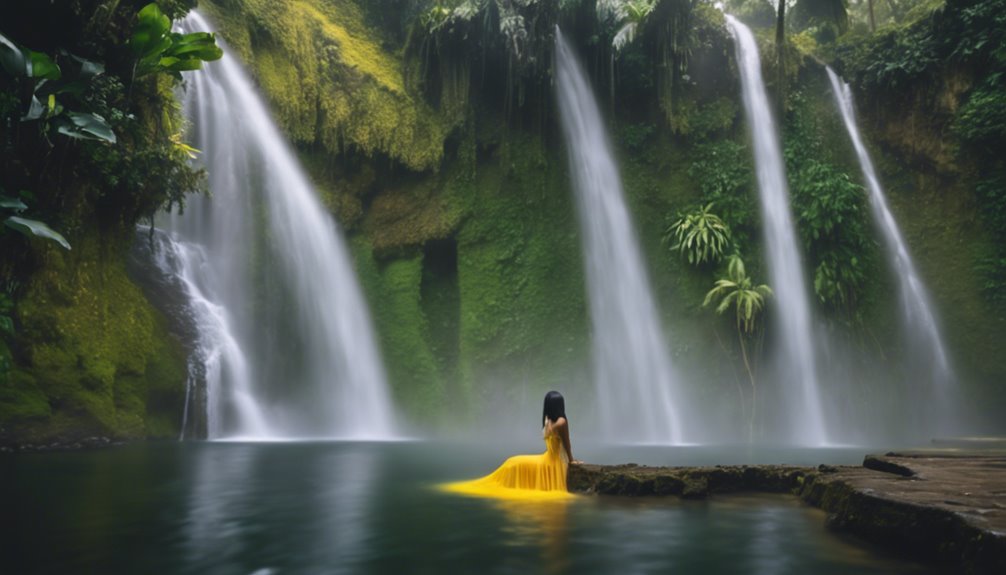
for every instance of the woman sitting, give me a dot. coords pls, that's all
(531, 476)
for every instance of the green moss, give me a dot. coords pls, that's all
(329, 80)
(21, 400)
(393, 289)
(98, 355)
(406, 216)
(522, 314)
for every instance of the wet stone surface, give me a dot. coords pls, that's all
(946, 506)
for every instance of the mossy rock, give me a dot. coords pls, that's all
(95, 358)
(329, 80)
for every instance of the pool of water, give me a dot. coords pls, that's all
(331, 507)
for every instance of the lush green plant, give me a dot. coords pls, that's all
(25, 226)
(952, 32)
(40, 79)
(700, 236)
(807, 13)
(724, 172)
(626, 16)
(831, 212)
(738, 291)
(981, 122)
(635, 136)
(160, 50)
(448, 32)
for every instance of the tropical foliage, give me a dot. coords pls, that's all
(28, 227)
(724, 172)
(831, 213)
(626, 17)
(739, 292)
(700, 236)
(41, 83)
(90, 132)
(160, 50)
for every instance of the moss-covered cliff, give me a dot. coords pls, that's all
(431, 132)
(464, 227)
(86, 354)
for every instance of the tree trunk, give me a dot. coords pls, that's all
(895, 10)
(754, 389)
(873, 21)
(780, 47)
(733, 371)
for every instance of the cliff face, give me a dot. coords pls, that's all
(449, 175)
(86, 355)
(436, 145)
(94, 357)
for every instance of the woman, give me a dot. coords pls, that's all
(531, 476)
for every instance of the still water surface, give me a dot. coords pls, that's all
(328, 507)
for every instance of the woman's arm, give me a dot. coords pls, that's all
(562, 426)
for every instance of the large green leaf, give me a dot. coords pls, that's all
(12, 204)
(84, 127)
(160, 50)
(77, 78)
(42, 66)
(150, 37)
(36, 228)
(181, 64)
(201, 45)
(12, 58)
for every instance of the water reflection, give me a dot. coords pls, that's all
(541, 524)
(765, 547)
(242, 493)
(317, 508)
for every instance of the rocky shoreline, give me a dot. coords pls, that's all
(82, 443)
(946, 507)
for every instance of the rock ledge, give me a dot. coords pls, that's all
(945, 507)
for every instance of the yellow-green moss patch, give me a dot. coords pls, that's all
(329, 80)
(94, 347)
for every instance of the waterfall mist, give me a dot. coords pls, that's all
(286, 346)
(637, 395)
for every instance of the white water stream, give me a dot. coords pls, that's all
(797, 364)
(920, 322)
(637, 394)
(286, 342)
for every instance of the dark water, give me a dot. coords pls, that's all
(282, 508)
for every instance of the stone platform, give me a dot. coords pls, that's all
(945, 506)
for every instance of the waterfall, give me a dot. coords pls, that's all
(286, 345)
(797, 362)
(920, 322)
(636, 387)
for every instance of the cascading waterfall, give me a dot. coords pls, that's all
(215, 347)
(635, 383)
(287, 346)
(920, 321)
(797, 362)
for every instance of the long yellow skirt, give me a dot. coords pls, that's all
(522, 477)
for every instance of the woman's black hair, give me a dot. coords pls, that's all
(555, 407)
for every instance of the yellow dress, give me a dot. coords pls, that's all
(523, 476)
